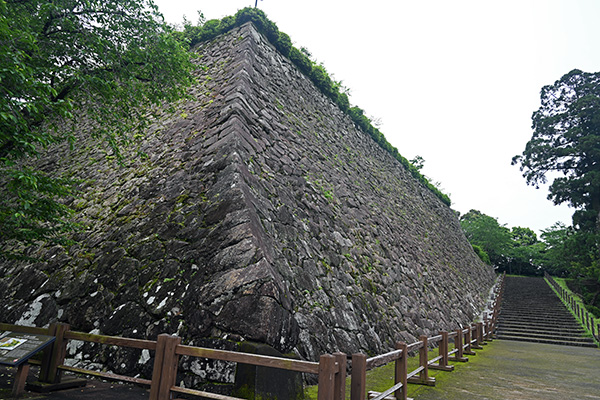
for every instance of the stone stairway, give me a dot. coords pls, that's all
(532, 312)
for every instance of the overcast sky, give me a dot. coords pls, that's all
(455, 82)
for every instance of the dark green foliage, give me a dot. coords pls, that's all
(344, 102)
(284, 44)
(566, 139)
(107, 61)
(301, 61)
(319, 77)
(484, 231)
(589, 291)
(481, 254)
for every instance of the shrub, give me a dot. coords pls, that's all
(284, 44)
(301, 61)
(227, 24)
(322, 80)
(481, 254)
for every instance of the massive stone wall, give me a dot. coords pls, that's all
(255, 211)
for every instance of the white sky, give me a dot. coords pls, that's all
(455, 82)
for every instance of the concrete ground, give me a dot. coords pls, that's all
(521, 370)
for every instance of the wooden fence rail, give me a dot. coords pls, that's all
(331, 368)
(587, 318)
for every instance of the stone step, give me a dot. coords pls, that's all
(556, 315)
(576, 329)
(547, 332)
(525, 307)
(531, 311)
(538, 319)
(547, 341)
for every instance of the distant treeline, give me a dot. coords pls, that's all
(210, 29)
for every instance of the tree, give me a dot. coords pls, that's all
(107, 61)
(515, 250)
(525, 255)
(566, 140)
(484, 231)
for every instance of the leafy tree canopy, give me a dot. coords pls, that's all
(566, 140)
(485, 231)
(107, 61)
(515, 250)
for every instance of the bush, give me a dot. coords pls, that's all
(344, 102)
(227, 24)
(481, 254)
(301, 61)
(322, 80)
(284, 44)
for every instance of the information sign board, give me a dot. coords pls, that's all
(16, 348)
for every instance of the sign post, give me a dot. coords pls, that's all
(16, 349)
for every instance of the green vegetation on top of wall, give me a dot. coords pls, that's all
(317, 74)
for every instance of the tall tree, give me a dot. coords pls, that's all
(525, 255)
(566, 140)
(105, 60)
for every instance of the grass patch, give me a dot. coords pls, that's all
(382, 378)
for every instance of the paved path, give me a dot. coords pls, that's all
(508, 369)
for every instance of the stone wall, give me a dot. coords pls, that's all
(255, 211)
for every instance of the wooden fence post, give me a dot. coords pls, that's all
(475, 337)
(443, 352)
(458, 345)
(340, 377)
(358, 381)
(467, 349)
(54, 356)
(401, 371)
(480, 334)
(326, 387)
(423, 377)
(164, 374)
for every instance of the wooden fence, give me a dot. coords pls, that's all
(587, 318)
(331, 368)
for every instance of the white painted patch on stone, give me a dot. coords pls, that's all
(150, 300)
(161, 304)
(73, 348)
(145, 357)
(35, 308)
